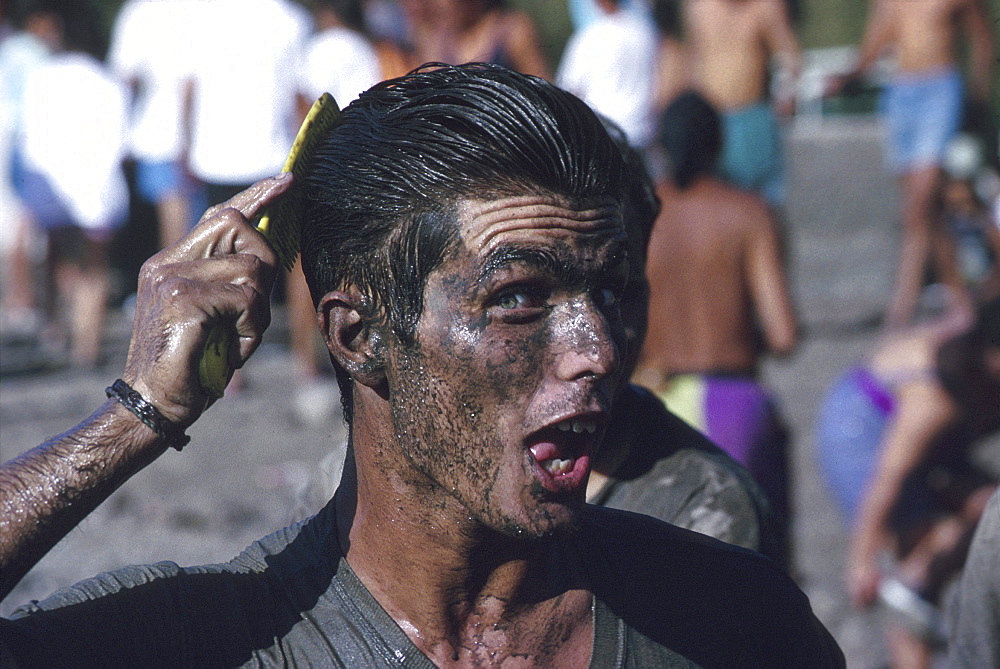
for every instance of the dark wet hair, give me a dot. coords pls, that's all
(381, 193)
(640, 207)
(640, 204)
(691, 135)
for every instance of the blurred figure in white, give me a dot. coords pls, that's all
(611, 65)
(150, 43)
(72, 182)
(247, 53)
(339, 57)
(26, 42)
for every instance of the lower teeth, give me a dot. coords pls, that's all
(557, 466)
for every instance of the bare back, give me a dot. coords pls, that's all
(714, 267)
(732, 42)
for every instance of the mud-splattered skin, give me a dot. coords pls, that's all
(473, 443)
(520, 331)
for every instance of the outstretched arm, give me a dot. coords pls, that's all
(769, 286)
(923, 410)
(879, 35)
(221, 273)
(784, 46)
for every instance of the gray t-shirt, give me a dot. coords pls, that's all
(674, 473)
(975, 630)
(664, 597)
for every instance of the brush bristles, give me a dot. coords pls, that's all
(282, 224)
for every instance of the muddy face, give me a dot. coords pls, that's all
(505, 392)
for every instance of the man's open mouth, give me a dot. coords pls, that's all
(562, 452)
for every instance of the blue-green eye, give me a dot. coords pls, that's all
(521, 303)
(516, 300)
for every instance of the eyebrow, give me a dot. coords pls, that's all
(542, 259)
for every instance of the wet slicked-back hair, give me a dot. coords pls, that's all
(381, 194)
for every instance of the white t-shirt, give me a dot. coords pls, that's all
(611, 66)
(19, 54)
(151, 45)
(74, 134)
(248, 53)
(340, 62)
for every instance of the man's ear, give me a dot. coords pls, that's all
(352, 335)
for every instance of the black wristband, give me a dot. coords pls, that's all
(148, 414)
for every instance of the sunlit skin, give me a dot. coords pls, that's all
(460, 471)
(731, 45)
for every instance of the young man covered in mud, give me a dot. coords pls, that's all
(463, 244)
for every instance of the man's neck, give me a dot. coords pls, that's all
(459, 590)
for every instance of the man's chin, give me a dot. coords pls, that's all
(552, 521)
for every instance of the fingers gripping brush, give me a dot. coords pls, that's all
(281, 225)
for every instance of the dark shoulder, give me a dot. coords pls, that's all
(646, 546)
(718, 604)
(653, 560)
(224, 612)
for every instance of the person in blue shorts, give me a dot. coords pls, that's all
(922, 106)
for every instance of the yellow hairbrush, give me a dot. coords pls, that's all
(281, 225)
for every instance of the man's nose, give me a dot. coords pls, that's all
(588, 342)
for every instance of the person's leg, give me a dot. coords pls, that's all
(60, 276)
(920, 187)
(16, 227)
(302, 324)
(19, 299)
(89, 295)
(174, 215)
(923, 113)
(907, 651)
(162, 183)
(945, 261)
(47, 214)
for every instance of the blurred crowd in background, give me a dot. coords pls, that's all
(120, 123)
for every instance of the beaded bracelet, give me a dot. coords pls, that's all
(148, 414)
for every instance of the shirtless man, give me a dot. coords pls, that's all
(923, 107)
(732, 44)
(462, 239)
(715, 272)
